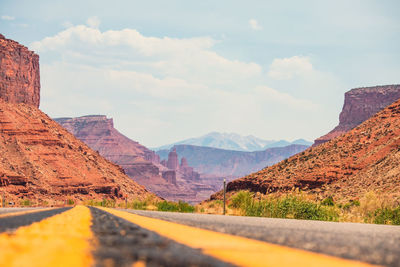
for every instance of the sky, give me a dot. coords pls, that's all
(172, 70)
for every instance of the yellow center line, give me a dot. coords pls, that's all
(23, 212)
(234, 249)
(61, 240)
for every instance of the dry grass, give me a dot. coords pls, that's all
(371, 208)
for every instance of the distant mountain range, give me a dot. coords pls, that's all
(215, 162)
(233, 141)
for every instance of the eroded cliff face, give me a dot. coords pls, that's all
(19, 73)
(139, 163)
(364, 159)
(220, 163)
(98, 132)
(41, 160)
(359, 105)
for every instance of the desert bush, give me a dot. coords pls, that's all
(174, 207)
(241, 199)
(387, 216)
(138, 205)
(328, 202)
(288, 206)
(26, 202)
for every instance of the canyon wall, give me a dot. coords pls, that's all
(365, 159)
(41, 161)
(19, 73)
(170, 181)
(359, 105)
(217, 162)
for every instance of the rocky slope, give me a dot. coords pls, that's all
(40, 160)
(229, 163)
(98, 132)
(172, 181)
(19, 73)
(364, 159)
(359, 105)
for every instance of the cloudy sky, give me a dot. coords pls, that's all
(171, 70)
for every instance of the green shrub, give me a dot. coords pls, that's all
(174, 207)
(283, 207)
(138, 205)
(328, 202)
(387, 216)
(70, 202)
(241, 199)
(26, 202)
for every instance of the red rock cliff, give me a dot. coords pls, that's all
(41, 160)
(19, 73)
(359, 105)
(99, 133)
(365, 159)
(139, 163)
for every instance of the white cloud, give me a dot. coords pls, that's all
(190, 59)
(254, 25)
(266, 93)
(6, 17)
(177, 86)
(93, 22)
(288, 68)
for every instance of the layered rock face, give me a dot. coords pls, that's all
(99, 133)
(167, 180)
(210, 166)
(188, 171)
(359, 105)
(41, 160)
(365, 159)
(19, 73)
(215, 162)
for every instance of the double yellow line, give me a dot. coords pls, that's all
(234, 249)
(60, 240)
(66, 239)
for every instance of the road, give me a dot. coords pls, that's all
(88, 236)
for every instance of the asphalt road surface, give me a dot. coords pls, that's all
(87, 236)
(377, 244)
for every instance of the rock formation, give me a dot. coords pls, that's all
(98, 132)
(187, 171)
(19, 73)
(359, 105)
(364, 159)
(214, 162)
(40, 160)
(165, 178)
(170, 176)
(172, 162)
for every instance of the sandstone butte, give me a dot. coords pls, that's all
(40, 160)
(19, 73)
(141, 164)
(364, 159)
(359, 105)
